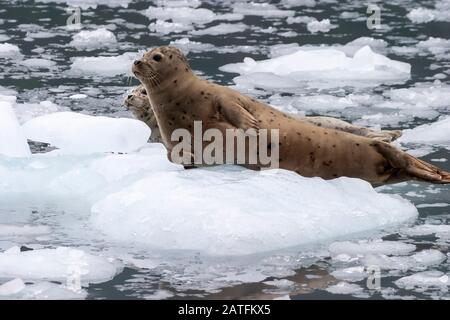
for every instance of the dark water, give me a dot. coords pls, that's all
(20, 18)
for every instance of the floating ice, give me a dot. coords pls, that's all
(16, 289)
(165, 27)
(8, 230)
(439, 230)
(419, 260)
(223, 28)
(103, 66)
(178, 3)
(326, 65)
(9, 50)
(58, 264)
(85, 4)
(182, 15)
(36, 63)
(95, 39)
(344, 288)
(437, 46)
(11, 287)
(41, 290)
(12, 138)
(211, 201)
(84, 176)
(298, 3)
(320, 26)
(421, 15)
(28, 111)
(261, 9)
(365, 247)
(436, 133)
(424, 280)
(350, 274)
(441, 12)
(76, 133)
(426, 95)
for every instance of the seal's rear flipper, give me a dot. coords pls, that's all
(409, 167)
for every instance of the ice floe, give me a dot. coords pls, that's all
(320, 26)
(36, 63)
(365, 247)
(95, 39)
(433, 134)
(441, 12)
(103, 66)
(13, 140)
(85, 4)
(345, 288)
(424, 280)
(420, 260)
(261, 9)
(322, 65)
(439, 230)
(42, 290)
(223, 28)
(182, 15)
(59, 264)
(8, 50)
(11, 230)
(165, 27)
(210, 204)
(75, 133)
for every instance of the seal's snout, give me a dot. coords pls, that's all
(129, 96)
(137, 62)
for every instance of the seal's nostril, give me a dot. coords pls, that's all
(137, 62)
(129, 96)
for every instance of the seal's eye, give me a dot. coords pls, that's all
(157, 57)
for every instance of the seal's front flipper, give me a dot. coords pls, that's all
(237, 115)
(406, 165)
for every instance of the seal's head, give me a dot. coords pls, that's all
(160, 65)
(137, 99)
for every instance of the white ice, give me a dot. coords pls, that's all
(8, 50)
(104, 66)
(42, 290)
(365, 247)
(351, 274)
(322, 65)
(182, 15)
(211, 201)
(320, 26)
(36, 63)
(166, 27)
(223, 28)
(95, 39)
(75, 133)
(439, 230)
(435, 134)
(420, 260)
(59, 264)
(261, 9)
(421, 15)
(13, 140)
(424, 280)
(86, 4)
(440, 12)
(344, 288)
(10, 230)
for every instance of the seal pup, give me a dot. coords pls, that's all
(138, 103)
(178, 98)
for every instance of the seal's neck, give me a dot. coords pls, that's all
(169, 89)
